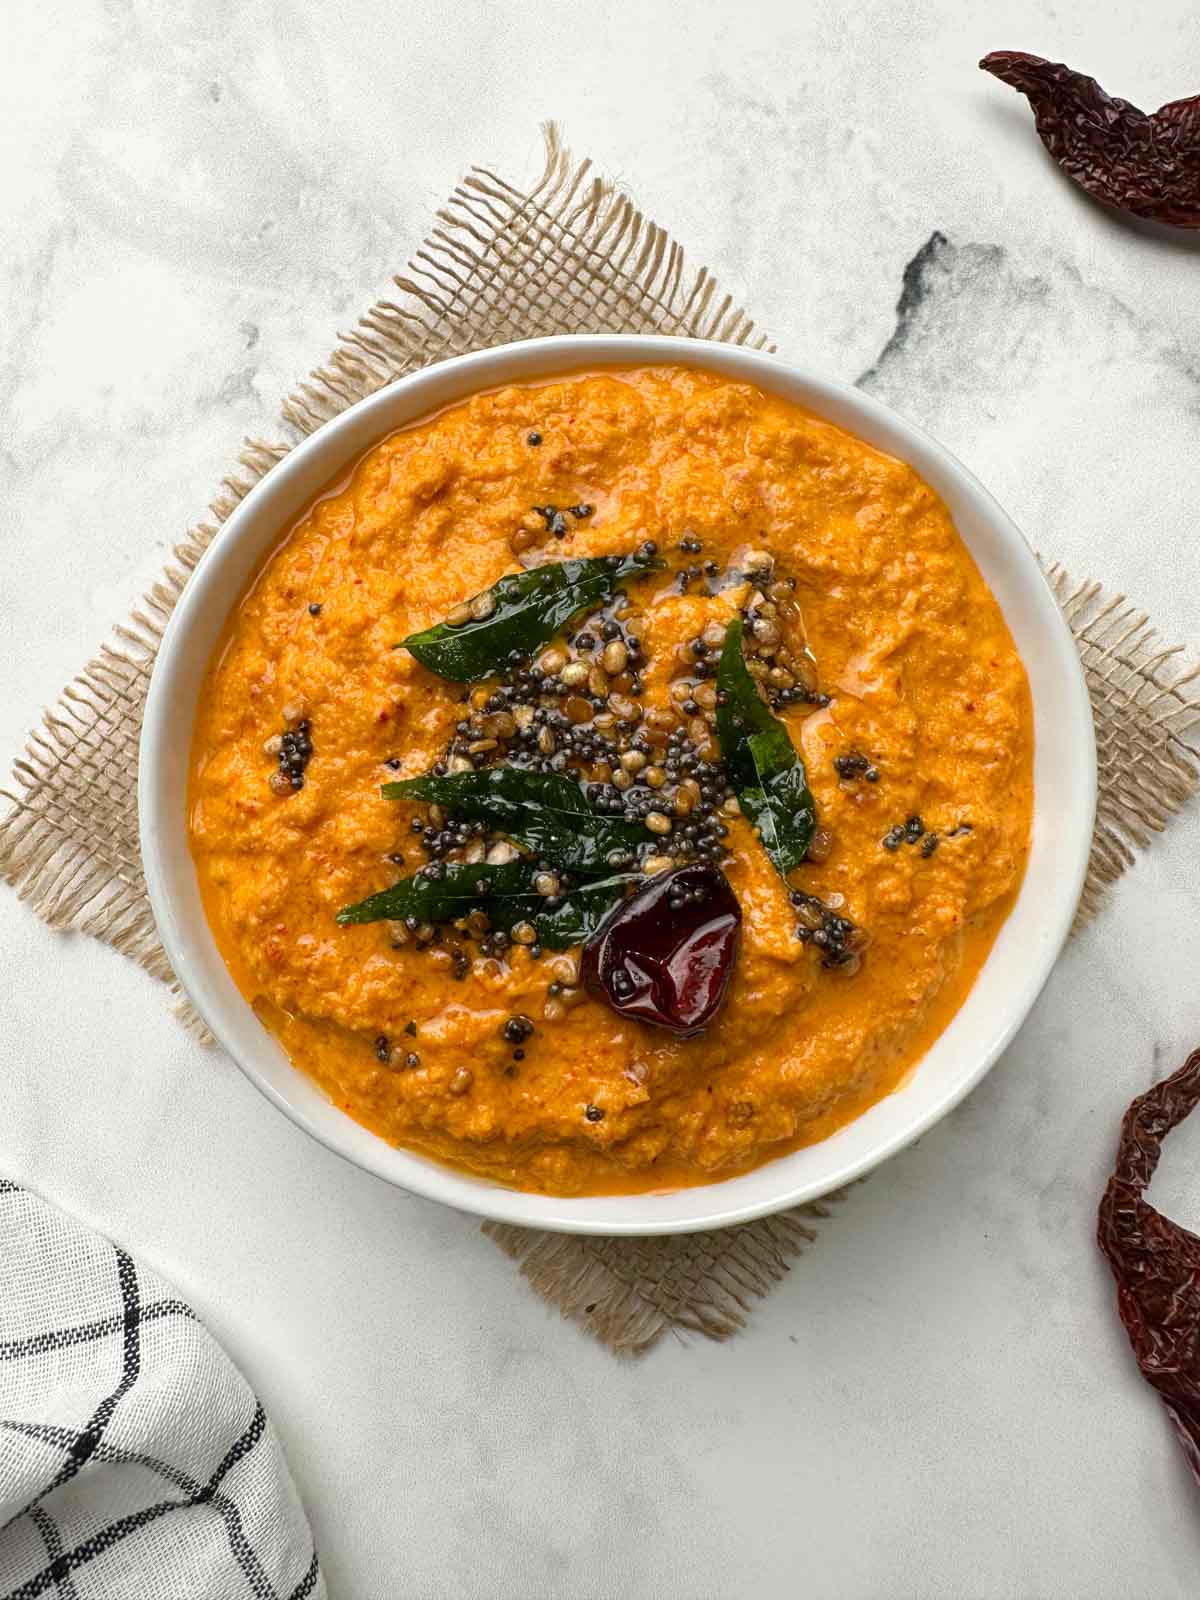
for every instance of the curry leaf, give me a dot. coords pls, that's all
(766, 769)
(529, 609)
(546, 813)
(462, 887)
(741, 710)
(505, 892)
(781, 808)
(580, 912)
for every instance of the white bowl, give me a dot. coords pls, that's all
(1016, 968)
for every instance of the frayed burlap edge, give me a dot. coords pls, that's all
(629, 1292)
(1146, 708)
(70, 850)
(571, 255)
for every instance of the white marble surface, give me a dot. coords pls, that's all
(939, 1401)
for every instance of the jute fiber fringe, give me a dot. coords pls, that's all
(570, 255)
(1147, 714)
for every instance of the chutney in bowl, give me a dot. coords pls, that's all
(729, 504)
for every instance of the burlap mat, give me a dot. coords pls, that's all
(570, 255)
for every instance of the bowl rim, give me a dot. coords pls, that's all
(545, 358)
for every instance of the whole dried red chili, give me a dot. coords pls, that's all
(665, 955)
(1148, 165)
(1156, 1262)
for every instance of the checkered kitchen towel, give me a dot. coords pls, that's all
(135, 1462)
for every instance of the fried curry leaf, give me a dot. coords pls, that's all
(463, 886)
(546, 813)
(766, 769)
(582, 909)
(505, 892)
(780, 805)
(741, 710)
(529, 609)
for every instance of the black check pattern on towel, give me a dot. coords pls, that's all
(168, 1482)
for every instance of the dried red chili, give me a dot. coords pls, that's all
(1148, 165)
(1156, 1262)
(665, 955)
